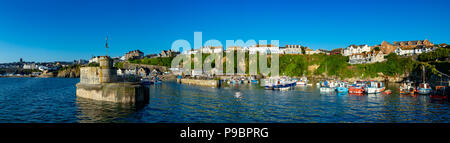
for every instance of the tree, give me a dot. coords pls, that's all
(377, 49)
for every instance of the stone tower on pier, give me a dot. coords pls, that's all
(101, 83)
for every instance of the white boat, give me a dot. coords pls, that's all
(424, 88)
(326, 87)
(302, 81)
(279, 84)
(375, 87)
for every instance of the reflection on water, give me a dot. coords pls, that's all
(53, 100)
(102, 111)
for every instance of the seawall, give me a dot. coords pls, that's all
(200, 82)
(114, 92)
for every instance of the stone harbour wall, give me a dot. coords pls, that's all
(199, 82)
(114, 92)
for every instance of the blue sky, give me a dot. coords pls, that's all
(52, 30)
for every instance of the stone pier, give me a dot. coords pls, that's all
(200, 82)
(102, 84)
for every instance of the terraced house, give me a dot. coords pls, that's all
(354, 49)
(407, 47)
(409, 51)
(293, 49)
(369, 57)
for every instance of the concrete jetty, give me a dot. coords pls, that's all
(102, 83)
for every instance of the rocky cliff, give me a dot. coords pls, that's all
(69, 72)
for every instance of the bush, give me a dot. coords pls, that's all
(160, 61)
(438, 54)
(93, 65)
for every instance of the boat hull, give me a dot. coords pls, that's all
(372, 90)
(424, 90)
(354, 90)
(326, 89)
(342, 90)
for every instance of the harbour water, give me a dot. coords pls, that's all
(53, 100)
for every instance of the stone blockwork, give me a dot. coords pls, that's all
(101, 83)
(114, 92)
(200, 82)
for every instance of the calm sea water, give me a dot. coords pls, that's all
(54, 100)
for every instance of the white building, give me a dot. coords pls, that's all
(212, 49)
(309, 51)
(236, 48)
(413, 51)
(364, 58)
(404, 51)
(268, 49)
(119, 72)
(94, 59)
(292, 49)
(130, 71)
(354, 49)
(30, 66)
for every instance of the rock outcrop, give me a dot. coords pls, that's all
(69, 73)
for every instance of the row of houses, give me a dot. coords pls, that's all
(137, 54)
(141, 72)
(259, 48)
(361, 54)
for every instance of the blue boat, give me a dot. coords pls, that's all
(145, 81)
(254, 81)
(424, 88)
(341, 89)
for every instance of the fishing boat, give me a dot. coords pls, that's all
(375, 87)
(357, 88)
(440, 92)
(342, 87)
(326, 87)
(302, 81)
(387, 92)
(155, 80)
(424, 88)
(279, 83)
(407, 88)
(145, 81)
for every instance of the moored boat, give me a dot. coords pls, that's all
(356, 90)
(424, 88)
(279, 83)
(326, 87)
(302, 81)
(441, 92)
(342, 87)
(407, 88)
(375, 87)
(387, 92)
(145, 81)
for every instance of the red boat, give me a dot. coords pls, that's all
(356, 90)
(439, 93)
(438, 97)
(387, 92)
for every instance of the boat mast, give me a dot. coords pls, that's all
(423, 73)
(326, 74)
